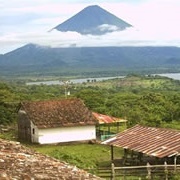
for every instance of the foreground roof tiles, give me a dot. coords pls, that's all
(152, 141)
(19, 162)
(58, 113)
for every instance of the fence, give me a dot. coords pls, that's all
(165, 172)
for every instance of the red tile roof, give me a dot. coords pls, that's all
(105, 119)
(57, 113)
(20, 162)
(152, 141)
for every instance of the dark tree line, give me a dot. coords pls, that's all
(149, 108)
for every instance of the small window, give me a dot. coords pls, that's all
(33, 131)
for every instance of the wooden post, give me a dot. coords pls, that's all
(109, 129)
(99, 131)
(175, 163)
(149, 171)
(125, 156)
(112, 172)
(112, 153)
(117, 124)
(166, 170)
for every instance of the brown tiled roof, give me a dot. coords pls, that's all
(105, 119)
(19, 162)
(57, 113)
(158, 142)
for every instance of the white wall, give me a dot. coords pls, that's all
(34, 136)
(66, 134)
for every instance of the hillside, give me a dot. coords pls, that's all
(55, 61)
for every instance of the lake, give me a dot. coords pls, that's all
(175, 76)
(73, 81)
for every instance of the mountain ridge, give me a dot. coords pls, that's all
(34, 58)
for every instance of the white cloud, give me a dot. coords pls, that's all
(55, 38)
(107, 27)
(156, 22)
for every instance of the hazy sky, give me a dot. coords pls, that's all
(155, 22)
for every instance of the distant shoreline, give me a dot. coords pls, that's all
(175, 76)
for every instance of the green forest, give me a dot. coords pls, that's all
(147, 100)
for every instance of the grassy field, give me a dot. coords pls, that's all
(85, 156)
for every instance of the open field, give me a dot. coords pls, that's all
(85, 156)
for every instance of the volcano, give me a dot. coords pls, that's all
(93, 20)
